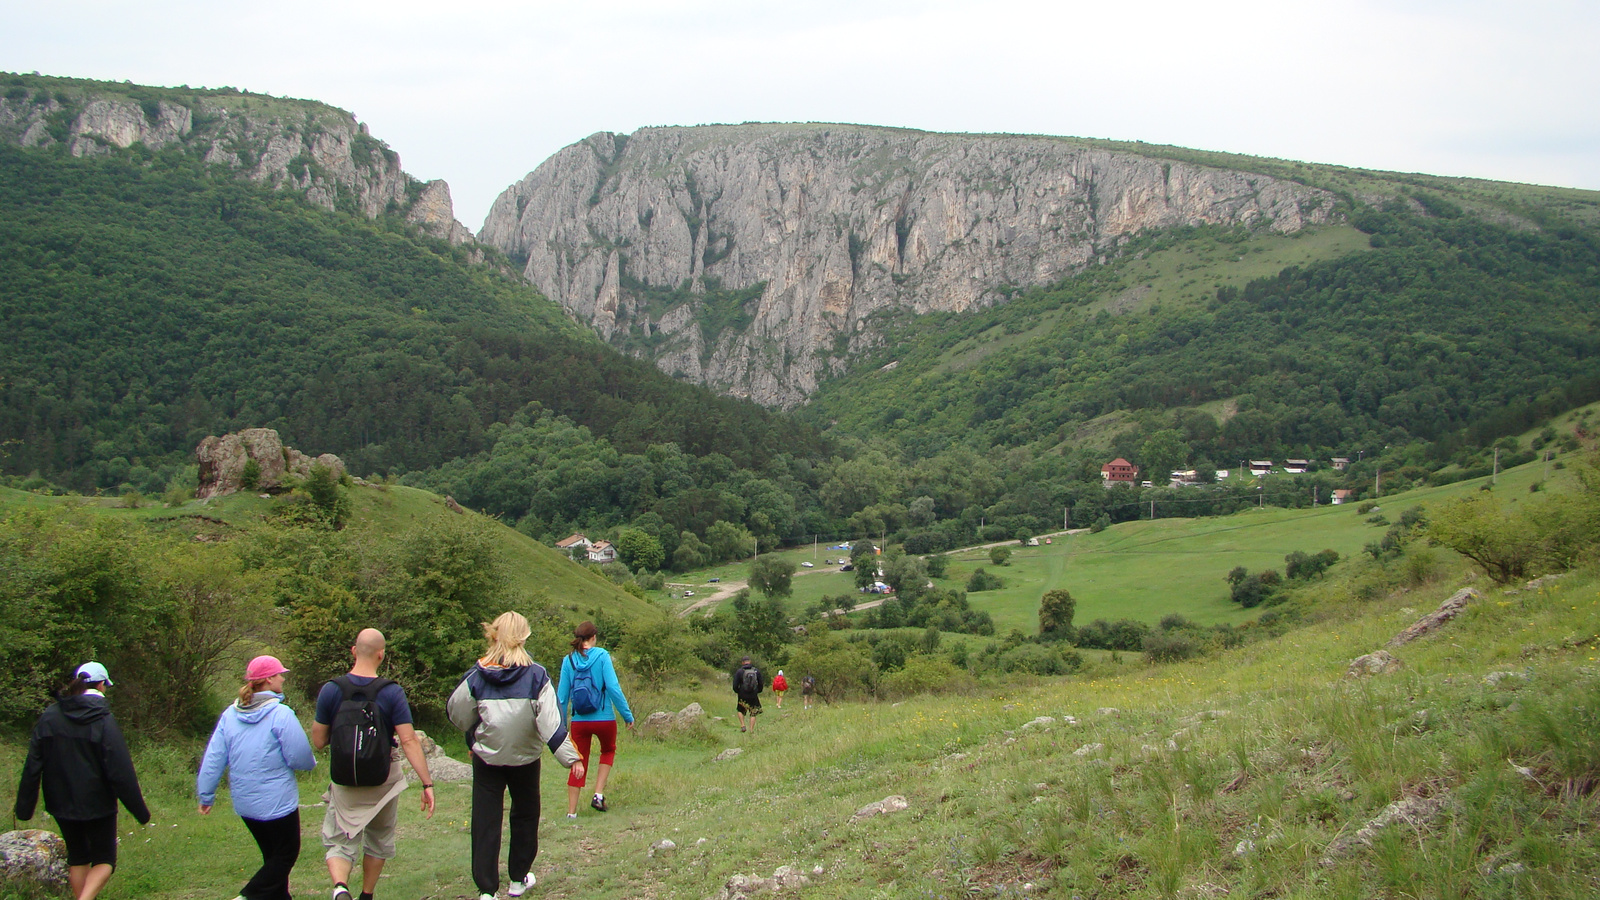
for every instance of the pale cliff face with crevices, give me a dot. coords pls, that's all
(838, 222)
(320, 152)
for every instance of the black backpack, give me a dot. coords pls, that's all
(749, 680)
(360, 737)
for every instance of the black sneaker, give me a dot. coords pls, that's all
(599, 802)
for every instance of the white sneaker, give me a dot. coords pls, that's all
(485, 897)
(517, 887)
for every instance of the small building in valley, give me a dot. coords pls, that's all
(1119, 471)
(1296, 466)
(573, 543)
(602, 552)
(1341, 496)
(1260, 467)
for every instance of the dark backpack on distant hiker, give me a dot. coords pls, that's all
(585, 695)
(749, 680)
(360, 738)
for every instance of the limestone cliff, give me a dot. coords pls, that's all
(752, 258)
(299, 145)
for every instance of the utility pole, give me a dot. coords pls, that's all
(1313, 496)
(1495, 477)
(1377, 483)
(1066, 517)
(1152, 510)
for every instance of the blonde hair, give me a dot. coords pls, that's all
(506, 636)
(247, 694)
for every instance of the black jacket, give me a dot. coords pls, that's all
(78, 753)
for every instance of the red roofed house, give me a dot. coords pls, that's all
(574, 543)
(1120, 470)
(602, 552)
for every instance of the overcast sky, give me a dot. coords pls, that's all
(479, 93)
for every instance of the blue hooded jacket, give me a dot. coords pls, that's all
(604, 674)
(261, 746)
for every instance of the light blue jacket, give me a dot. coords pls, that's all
(598, 662)
(261, 746)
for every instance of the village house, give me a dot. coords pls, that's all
(1260, 467)
(1340, 463)
(1119, 471)
(1341, 496)
(602, 552)
(572, 544)
(1296, 466)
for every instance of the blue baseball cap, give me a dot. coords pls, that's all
(93, 671)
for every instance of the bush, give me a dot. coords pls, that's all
(1000, 555)
(842, 669)
(1171, 646)
(1123, 634)
(1037, 659)
(924, 674)
(983, 581)
(656, 648)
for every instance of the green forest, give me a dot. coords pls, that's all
(149, 302)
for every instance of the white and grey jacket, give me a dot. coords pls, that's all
(507, 711)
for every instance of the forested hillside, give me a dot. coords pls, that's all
(148, 301)
(1449, 333)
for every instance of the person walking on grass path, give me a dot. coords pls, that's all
(747, 685)
(260, 743)
(590, 689)
(507, 708)
(780, 686)
(79, 757)
(808, 688)
(361, 717)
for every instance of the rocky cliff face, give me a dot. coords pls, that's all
(317, 150)
(752, 258)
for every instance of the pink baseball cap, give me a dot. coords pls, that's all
(263, 667)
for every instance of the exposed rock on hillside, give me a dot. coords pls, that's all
(789, 238)
(224, 461)
(299, 145)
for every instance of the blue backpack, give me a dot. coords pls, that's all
(585, 695)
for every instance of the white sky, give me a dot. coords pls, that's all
(479, 93)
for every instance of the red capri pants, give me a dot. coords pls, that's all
(581, 733)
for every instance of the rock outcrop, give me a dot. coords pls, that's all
(1435, 620)
(299, 145)
(225, 460)
(33, 857)
(753, 258)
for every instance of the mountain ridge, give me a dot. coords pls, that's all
(823, 226)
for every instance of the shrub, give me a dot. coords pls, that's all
(1038, 659)
(1000, 555)
(983, 581)
(1056, 609)
(656, 648)
(924, 674)
(1123, 634)
(1171, 646)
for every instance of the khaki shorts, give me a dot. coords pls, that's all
(376, 840)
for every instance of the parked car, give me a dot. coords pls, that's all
(688, 593)
(847, 568)
(712, 580)
(807, 565)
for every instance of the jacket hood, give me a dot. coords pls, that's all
(260, 706)
(84, 708)
(501, 674)
(586, 660)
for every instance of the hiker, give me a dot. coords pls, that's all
(507, 707)
(808, 689)
(780, 686)
(77, 753)
(259, 741)
(747, 684)
(590, 690)
(362, 814)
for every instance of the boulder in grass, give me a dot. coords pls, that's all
(35, 857)
(883, 807)
(1379, 662)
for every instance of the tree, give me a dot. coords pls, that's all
(729, 541)
(1504, 545)
(1000, 555)
(772, 576)
(1163, 452)
(640, 550)
(937, 564)
(1056, 609)
(760, 627)
(691, 553)
(983, 581)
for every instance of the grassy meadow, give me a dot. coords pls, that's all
(1229, 776)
